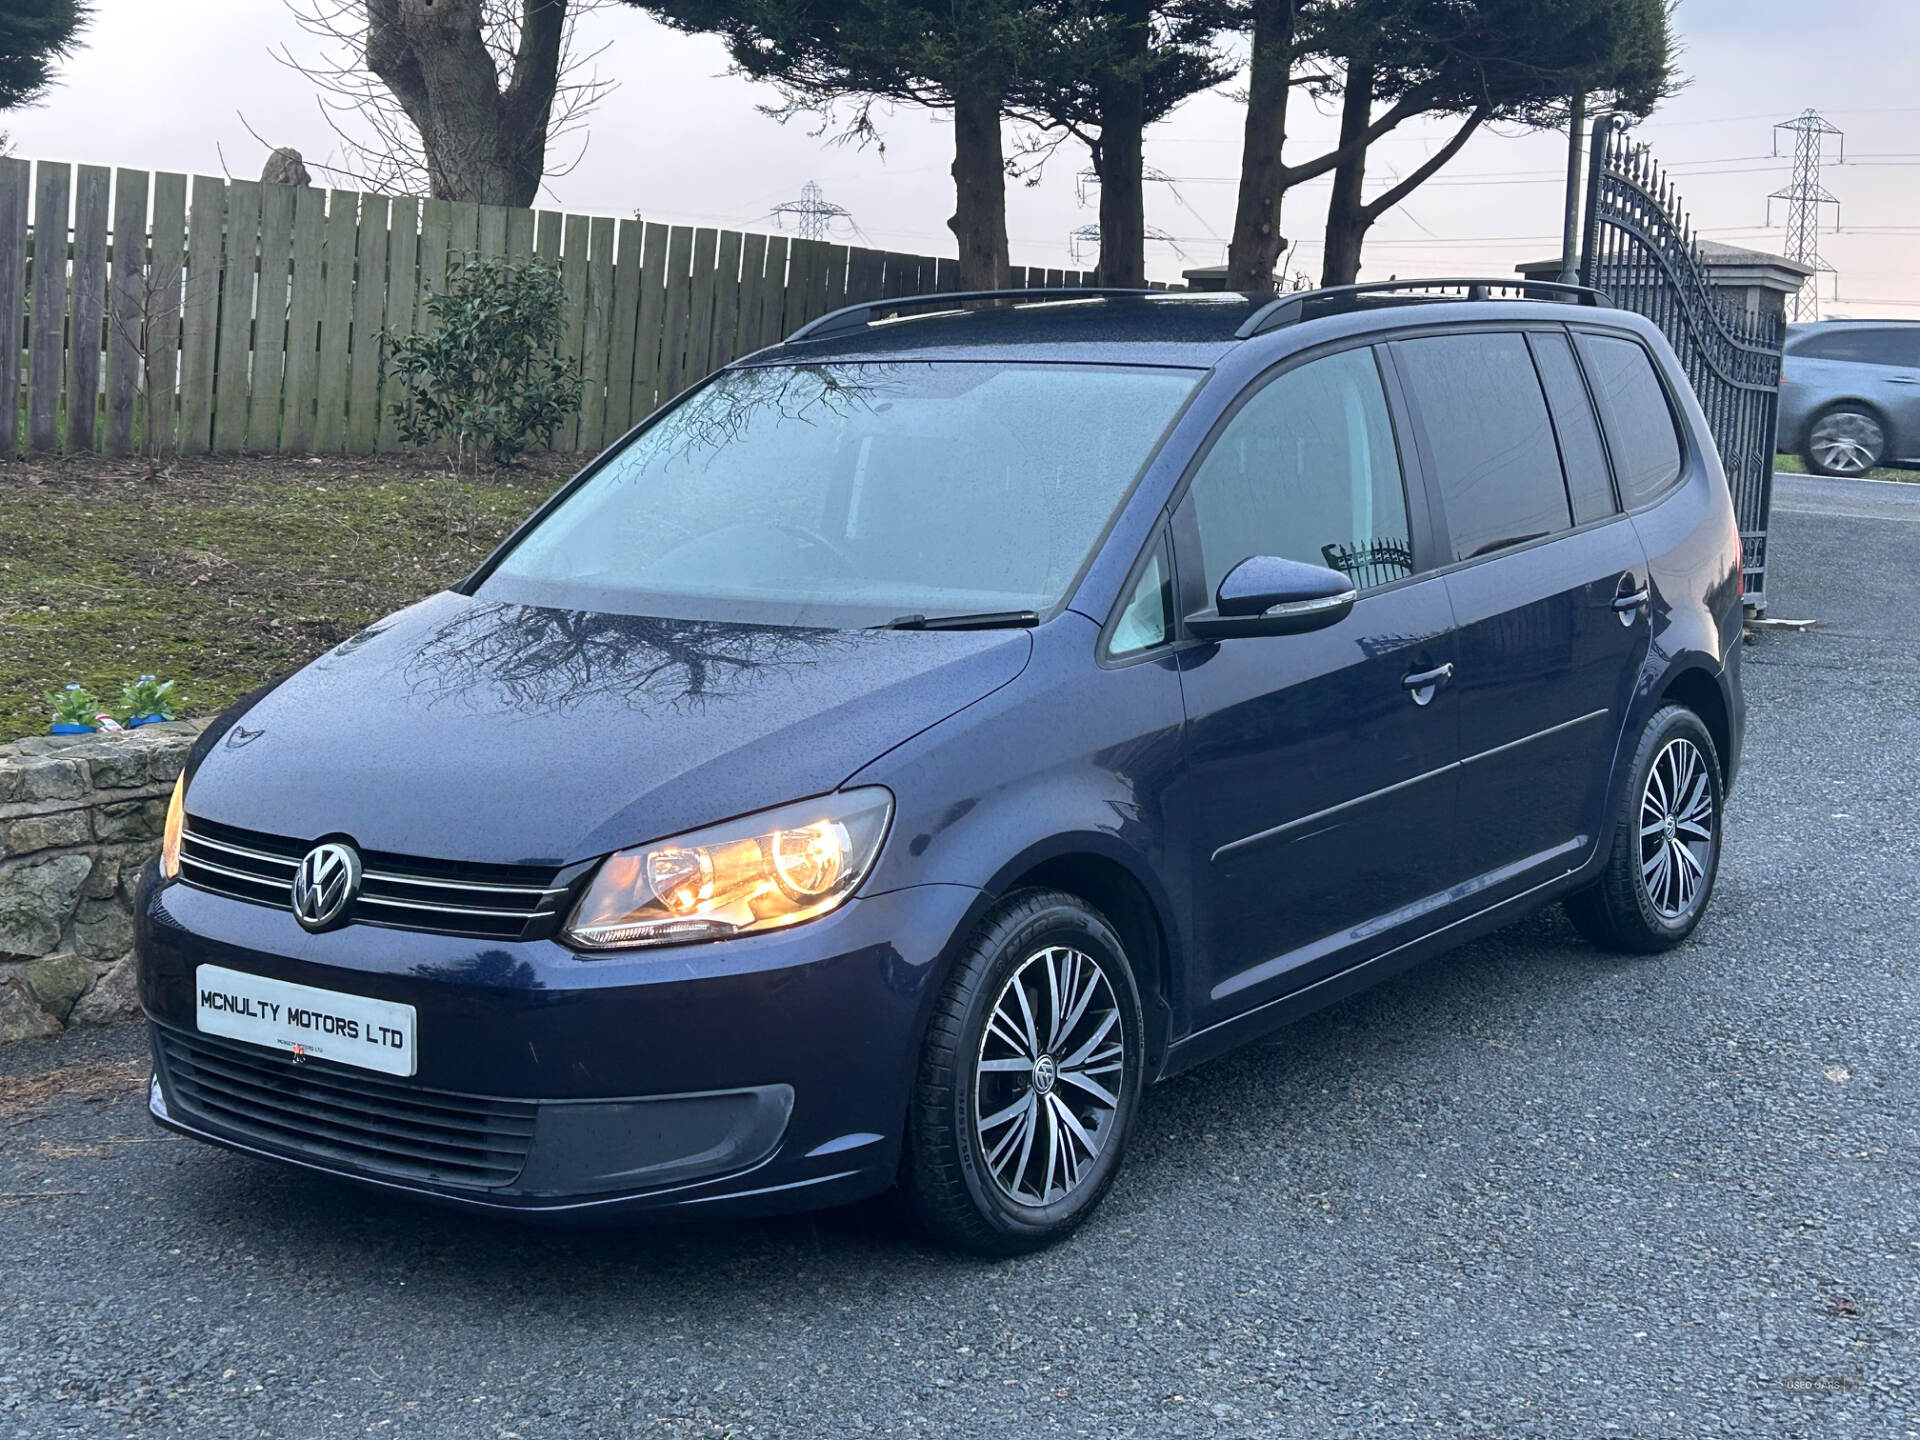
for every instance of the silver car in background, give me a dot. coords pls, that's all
(1850, 395)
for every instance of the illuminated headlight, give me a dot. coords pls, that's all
(170, 836)
(759, 872)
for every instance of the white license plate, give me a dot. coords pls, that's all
(324, 1024)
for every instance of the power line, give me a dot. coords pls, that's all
(1803, 197)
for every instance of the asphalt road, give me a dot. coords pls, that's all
(1529, 1190)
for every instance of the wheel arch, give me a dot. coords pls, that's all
(1695, 687)
(1094, 868)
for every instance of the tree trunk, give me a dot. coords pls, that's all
(1359, 219)
(1257, 242)
(1346, 211)
(481, 142)
(1117, 158)
(979, 220)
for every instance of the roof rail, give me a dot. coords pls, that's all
(1336, 299)
(856, 317)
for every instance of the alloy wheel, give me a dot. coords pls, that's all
(1047, 1080)
(1676, 828)
(1847, 442)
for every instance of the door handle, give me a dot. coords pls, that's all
(1422, 683)
(1634, 601)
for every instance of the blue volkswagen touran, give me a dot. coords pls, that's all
(925, 733)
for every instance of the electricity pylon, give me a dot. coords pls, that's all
(1803, 198)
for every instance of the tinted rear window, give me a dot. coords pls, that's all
(1492, 444)
(1638, 419)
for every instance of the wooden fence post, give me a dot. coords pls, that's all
(369, 309)
(336, 321)
(653, 313)
(573, 276)
(436, 238)
(726, 300)
(266, 394)
(234, 349)
(306, 289)
(48, 340)
(166, 270)
(92, 208)
(200, 314)
(403, 299)
(595, 332)
(622, 322)
(127, 314)
(16, 189)
(673, 337)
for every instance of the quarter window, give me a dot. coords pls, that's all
(1638, 419)
(1584, 458)
(1494, 457)
(1307, 470)
(1147, 619)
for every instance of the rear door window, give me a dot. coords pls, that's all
(1589, 485)
(1493, 455)
(1639, 422)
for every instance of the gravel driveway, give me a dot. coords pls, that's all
(1528, 1190)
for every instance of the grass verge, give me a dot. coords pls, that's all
(226, 571)
(1794, 465)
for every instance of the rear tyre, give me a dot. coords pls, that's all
(1665, 842)
(1029, 1080)
(1844, 442)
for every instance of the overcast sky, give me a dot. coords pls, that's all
(166, 86)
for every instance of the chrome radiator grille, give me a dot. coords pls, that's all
(507, 902)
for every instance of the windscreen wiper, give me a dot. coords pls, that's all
(983, 620)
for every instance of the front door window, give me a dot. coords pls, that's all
(1308, 470)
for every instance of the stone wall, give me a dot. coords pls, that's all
(79, 816)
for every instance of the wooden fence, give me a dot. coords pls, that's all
(248, 316)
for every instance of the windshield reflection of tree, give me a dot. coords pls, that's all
(722, 414)
(750, 449)
(540, 659)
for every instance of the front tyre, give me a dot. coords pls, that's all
(1665, 842)
(1029, 1079)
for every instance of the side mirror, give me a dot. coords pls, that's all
(1266, 595)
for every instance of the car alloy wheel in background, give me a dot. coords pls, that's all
(1845, 442)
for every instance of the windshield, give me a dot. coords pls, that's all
(854, 494)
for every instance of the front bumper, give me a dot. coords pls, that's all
(765, 1073)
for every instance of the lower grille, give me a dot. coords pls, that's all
(333, 1113)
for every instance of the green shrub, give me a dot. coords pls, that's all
(486, 380)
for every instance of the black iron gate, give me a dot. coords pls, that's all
(1639, 247)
